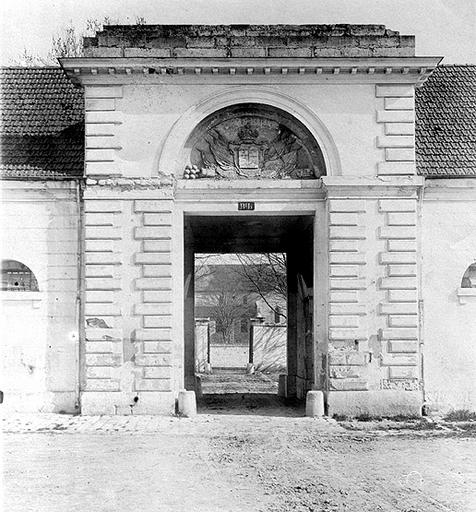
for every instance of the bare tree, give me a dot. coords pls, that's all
(203, 269)
(226, 296)
(228, 287)
(68, 42)
(226, 311)
(267, 275)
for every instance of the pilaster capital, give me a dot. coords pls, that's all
(372, 186)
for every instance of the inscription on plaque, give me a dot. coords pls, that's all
(248, 157)
(246, 205)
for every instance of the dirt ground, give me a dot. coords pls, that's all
(269, 459)
(307, 467)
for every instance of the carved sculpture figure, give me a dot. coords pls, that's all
(249, 147)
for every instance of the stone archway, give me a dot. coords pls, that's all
(250, 140)
(171, 158)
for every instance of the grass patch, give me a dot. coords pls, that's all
(468, 428)
(367, 417)
(340, 417)
(460, 415)
(420, 424)
(402, 417)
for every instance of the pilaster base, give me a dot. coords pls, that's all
(119, 403)
(375, 403)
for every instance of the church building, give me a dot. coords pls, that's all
(333, 144)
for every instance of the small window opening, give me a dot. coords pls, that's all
(17, 277)
(469, 277)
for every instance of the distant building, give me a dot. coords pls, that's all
(264, 305)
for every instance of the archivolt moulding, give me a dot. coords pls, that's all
(170, 158)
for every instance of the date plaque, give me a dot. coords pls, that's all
(246, 205)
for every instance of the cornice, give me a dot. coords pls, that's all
(450, 189)
(154, 183)
(90, 70)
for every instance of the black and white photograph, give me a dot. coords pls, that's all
(238, 256)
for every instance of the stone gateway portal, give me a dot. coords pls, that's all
(290, 234)
(315, 142)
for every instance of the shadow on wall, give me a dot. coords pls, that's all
(269, 347)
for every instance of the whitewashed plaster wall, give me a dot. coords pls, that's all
(148, 112)
(449, 336)
(40, 329)
(269, 347)
(229, 356)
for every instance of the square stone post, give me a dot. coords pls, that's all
(201, 344)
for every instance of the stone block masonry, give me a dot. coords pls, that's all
(396, 113)
(372, 323)
(399, 286)
(127, 345)
(347, 282)
(101, 121)
(373, 318)
(103, 336)
(103, 259)
(242, 41)
(155, 309)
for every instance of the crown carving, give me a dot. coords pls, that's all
(247, 133)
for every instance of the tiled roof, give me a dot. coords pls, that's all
(446, 123)
(42, 119)
(42, 124)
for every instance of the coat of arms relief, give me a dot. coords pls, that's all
(249, 147)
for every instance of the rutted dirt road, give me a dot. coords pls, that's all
(243, 461)
(307, 468)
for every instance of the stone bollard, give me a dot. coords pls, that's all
(187, 403)
(198, 386)
(208, 368)
(315, 403)
(283, 386)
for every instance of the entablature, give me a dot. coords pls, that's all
(87, 70)
(372, 186)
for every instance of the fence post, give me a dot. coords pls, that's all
(208, 343)
(250, 356)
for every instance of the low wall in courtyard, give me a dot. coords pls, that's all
(229, 356)
(269, 347)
